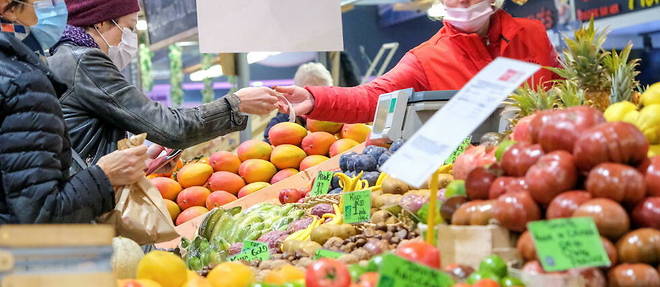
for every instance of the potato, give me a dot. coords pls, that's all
(379, 217)
(309, 248)
(291, 246)
(346, 231)
(322, 233)
(386, 200)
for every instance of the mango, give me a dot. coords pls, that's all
(252, 188)
(190, 213)
(194, 174)
(318, 143)
(257, 170)
(225, 161)
(219, 198)
(254, 149)
(168, 187)
(341, 146)
(227, 181)
(192, 196)
(311, 161)
(323, 126)
(282, 174)
(287, 156)
(137, 283)
(357, 132)
(286, 133)
(172, 208)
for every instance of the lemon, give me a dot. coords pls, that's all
(617, 112)
(163, 267)
(231, 274)
(631, 117)
(137, 283)
(652, 95)
(198, 282)
(654, 150)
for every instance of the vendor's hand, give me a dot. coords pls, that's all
(124, 167)
(301, 100)
(153, 152)
(257, 101)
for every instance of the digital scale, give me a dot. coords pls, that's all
(401, 113)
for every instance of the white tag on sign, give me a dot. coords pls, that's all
(435, 141)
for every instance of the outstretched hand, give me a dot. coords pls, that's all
(300, 98)
(257, 101)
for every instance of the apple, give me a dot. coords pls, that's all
(647, 213)
(566, 203)
(291, 195)
(515, 209)
(478, 182)
(611, 219)
(520, 157)
(553, 174)
(618, 182)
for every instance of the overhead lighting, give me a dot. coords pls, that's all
(256, 57)
(141, 25)
(201, 75)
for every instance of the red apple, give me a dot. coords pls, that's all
(478, 182)
(618, 182)
(520, 157)
(553, 174)
(653, 176)
(647, 213)
(291, 195)
(515, 209)
(566, 203)
(611, 219)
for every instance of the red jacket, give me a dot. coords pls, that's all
(445, 62)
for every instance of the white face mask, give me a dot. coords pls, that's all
(123, 53)
(470, 19)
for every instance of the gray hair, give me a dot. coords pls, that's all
(312, 74)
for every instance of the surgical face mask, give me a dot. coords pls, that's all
(470, 19)
(123, 53)
(52, 16)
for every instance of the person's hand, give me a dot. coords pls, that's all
(257, 101)
(153, 152)
(124, 167)
(300, 98)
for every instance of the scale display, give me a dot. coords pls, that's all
(390, 113)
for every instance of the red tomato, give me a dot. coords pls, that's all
(420, 252)
(327, 272)
(486, 283)
(369, 279)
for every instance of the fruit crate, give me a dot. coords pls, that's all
(468, 245)
(56, 255)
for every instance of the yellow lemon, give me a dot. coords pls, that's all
(231, 274)
(616, 112)
(652, 95)
(163, 267)
(631, 117)
(198, 281)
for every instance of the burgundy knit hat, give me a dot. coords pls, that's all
(83, 13)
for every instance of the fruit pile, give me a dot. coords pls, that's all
(571, 163)
(200, 186)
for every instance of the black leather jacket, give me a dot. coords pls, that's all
(100, 106)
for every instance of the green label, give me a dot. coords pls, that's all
(322, 183)
(357, 206)
(568, 243)
(398, 272)
(324, 253)
(459, 150)
(252, 251)
(392, 105)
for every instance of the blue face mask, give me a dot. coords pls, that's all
(52, 16)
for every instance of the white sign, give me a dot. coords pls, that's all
(239, 26)
(434, 142)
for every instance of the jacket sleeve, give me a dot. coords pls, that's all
(358, 104)
(114, 100)
(33, 174)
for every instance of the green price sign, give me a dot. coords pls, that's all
(322, 183)
(357, 206)
(568, 243)
(459, 150)
(398, 272)
(252, 251)
(324, 253)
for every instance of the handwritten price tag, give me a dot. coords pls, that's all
(464, 145)
(399, 272)
(322, 183)
(357, 206)
(324, 253)
(252, 251)
(568, 243)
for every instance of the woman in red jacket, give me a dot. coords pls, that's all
(475, 32)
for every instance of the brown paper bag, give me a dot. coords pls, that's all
(140, 213)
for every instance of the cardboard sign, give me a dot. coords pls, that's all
(439, 137)
(324, 253)
(252, 251)
(568, 243)
(357, 206)
(240, 26)
(321, 183)
(398, 272)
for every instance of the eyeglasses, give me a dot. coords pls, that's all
(134, 30)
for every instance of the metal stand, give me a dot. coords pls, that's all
(243, 81)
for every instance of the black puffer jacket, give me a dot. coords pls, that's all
(35, 153)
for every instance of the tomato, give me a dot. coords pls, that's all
(553, 174)
(566, 203)
(478, 182)
(495, 264)
(369, 279)
(618, 182)
(559, 129)
(616, 142)
(486, 283)
(420, 252)
(327, 272)
(652, 174)
(514, 209)
(520, 157)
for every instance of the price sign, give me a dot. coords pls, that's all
(322, 183)
(252, 251)
(357, 206)
(568, 243)
(464, 145)
(324, 253)
(399, 272)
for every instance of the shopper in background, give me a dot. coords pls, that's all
(100, 106)
(475, 32)
(35, 153)
(310, 74)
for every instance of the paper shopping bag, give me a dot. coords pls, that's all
(140, 213)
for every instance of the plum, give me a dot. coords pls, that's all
(335, 181)
(365, 163)
(344, 160)
(371, 177)
(374, 151)
(396, 145)
(383, 158)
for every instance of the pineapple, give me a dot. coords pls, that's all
(569, 94)
(527, 100)
(622, 73)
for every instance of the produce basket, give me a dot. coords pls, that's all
(467, 245)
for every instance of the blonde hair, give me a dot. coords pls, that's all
(312, 74)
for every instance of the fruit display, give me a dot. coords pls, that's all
(201, 185)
